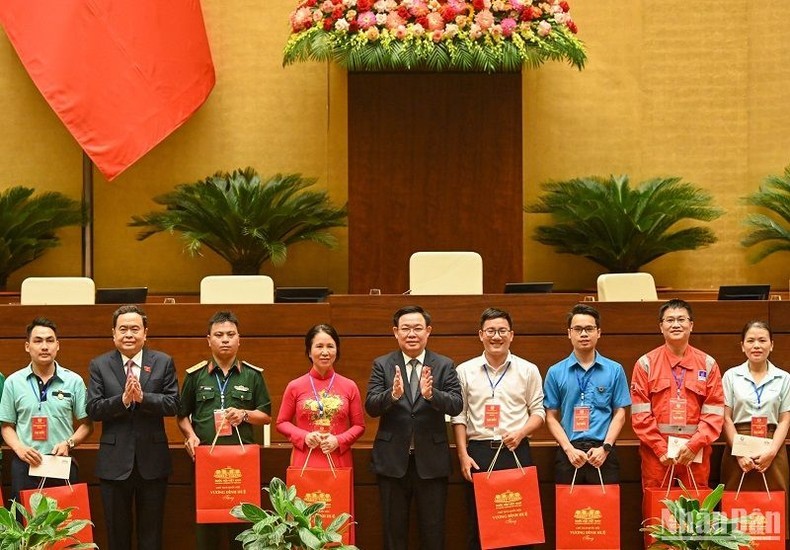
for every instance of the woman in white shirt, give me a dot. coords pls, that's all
(757, 402)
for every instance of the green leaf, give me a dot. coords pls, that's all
(244, 220)
(623, 228)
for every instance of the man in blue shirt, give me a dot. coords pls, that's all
(585, 399)
(39, 407)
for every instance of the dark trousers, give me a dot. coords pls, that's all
(212, 536)
(148, 496)
(396, 495)
(483, 452)
(587, 474)
(21, 481)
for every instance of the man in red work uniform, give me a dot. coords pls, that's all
(676, 391)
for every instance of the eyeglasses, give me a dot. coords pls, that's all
(502, 332)
(669, 321)
(416, 330)
(584, 330)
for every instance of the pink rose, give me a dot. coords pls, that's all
(394, 20)
(366, 20)
(435, 21)
(419, 9)
(485, 19)
(508, 26)
(544, 28)
(437, 36)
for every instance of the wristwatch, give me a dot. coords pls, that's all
(70, 443)
(607, 447)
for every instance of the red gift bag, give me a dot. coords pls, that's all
(588, 516)
(654, 510)
(226, 475)
(335, 488)
(67, 496)
(761, 514)
(508, 507)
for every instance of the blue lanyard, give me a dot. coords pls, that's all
(221, 388)
(679, 379)
(42, 394)
(758, 392)
(315, 392)
(583, 381)
(501, 376)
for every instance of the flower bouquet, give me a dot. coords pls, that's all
(323, 410)
(434, 35)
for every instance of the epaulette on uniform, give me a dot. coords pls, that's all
(253, 367)
(195, 368)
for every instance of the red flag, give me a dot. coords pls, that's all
(120, 75)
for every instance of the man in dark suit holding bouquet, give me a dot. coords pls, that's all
(411, 390)
(130, 392)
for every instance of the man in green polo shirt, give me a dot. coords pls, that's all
(222, 393)
(39, 405)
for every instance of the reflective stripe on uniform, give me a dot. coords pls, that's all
(645, 363)
(709, 362)
(637, 408)
(712, 409)
(671, 429)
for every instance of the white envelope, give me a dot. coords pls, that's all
(673, 448)
(58, 467)
(748, 445)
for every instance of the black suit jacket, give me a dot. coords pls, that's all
(422, 419)
(137, 433)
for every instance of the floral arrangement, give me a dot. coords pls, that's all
(434, 35)
(322, 411)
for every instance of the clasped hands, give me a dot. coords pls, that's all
(595, 456)
(760, 463)
(326, 441)
(132, 391)
(426, 383)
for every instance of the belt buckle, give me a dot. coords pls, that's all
(495, 443)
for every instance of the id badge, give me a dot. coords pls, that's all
(491, 415)
(219, 416)
(677, 412)
(39, 428)
(760, 426)
(581, 418)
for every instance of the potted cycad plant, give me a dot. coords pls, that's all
(291, 525)
(245, 220)
(28, 226)
(620, 227)
(772, 229)
(41, 528)
(695, 526)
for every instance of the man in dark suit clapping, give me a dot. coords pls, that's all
(412, 390)
(131, 390)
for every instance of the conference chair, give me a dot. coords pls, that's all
(432, 273)
(57, 291)
(626, 287)
(237, 289)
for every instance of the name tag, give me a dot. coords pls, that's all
(221, 425)
(581, 418)
(491, 415)
(759, 426)
(677, 412)
(39, 428)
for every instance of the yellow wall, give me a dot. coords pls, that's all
(667, 91)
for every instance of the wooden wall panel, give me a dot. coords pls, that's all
(434, 163)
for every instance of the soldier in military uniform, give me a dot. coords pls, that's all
(224, 394)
